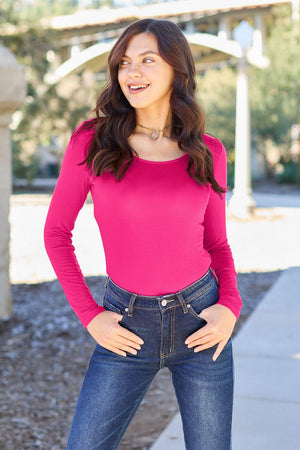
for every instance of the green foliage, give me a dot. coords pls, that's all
(48, 110)
(288, 173)
(217, 94)
(275, 91)
(30, 12)
(24, 169)
(230, 175)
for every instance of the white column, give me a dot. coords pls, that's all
(295, 10)
(241, 203)
(296, 19)
(76, 47)
(224, 28)
(259, 35)
(12, 94)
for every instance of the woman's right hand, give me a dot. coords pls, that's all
(107, 332)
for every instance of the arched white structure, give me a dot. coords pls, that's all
(95, 57)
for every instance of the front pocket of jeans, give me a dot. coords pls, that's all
(206, 299)
(110, 303)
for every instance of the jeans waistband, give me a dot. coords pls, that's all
(184, 295)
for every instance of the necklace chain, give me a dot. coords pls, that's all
(154, 134)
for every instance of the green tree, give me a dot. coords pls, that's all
(217, 94)
(48, 110)
(274, 95)
(275, 91)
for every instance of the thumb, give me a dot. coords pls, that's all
(115, 317)
(118, 317)
(202, 314)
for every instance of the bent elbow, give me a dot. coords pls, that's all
(56, 235)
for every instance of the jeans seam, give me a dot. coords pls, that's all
(172, 331)
(172, 340)
(130, 416)
(117, 299)
(107, 305)
(194, 314)
(161, 340)
(201, 292)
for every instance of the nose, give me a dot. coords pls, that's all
(134, 70)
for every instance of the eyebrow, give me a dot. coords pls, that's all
(144, 53)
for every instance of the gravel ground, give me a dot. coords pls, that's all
(44, 352)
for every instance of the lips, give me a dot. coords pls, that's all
(136, 91)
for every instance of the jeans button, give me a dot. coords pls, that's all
(164, 302)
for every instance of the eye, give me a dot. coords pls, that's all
(121, 63)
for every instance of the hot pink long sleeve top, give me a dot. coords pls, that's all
(161, 231)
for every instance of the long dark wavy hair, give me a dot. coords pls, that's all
(115, 120)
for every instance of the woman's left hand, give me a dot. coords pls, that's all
(220, 324)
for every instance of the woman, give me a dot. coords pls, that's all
(171, 299)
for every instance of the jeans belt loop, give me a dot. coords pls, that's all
(182, 302)
(131, 304)
(214, 275)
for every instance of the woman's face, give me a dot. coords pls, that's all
(143, 65)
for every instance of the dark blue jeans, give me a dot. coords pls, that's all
(114, 385)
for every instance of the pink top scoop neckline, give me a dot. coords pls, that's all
(160, 162)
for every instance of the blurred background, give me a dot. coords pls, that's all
(53, 63)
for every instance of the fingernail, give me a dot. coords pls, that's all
(141, 342)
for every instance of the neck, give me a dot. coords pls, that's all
(154, 120)
(154, 133)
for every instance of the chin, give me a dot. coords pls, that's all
(139, 104)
